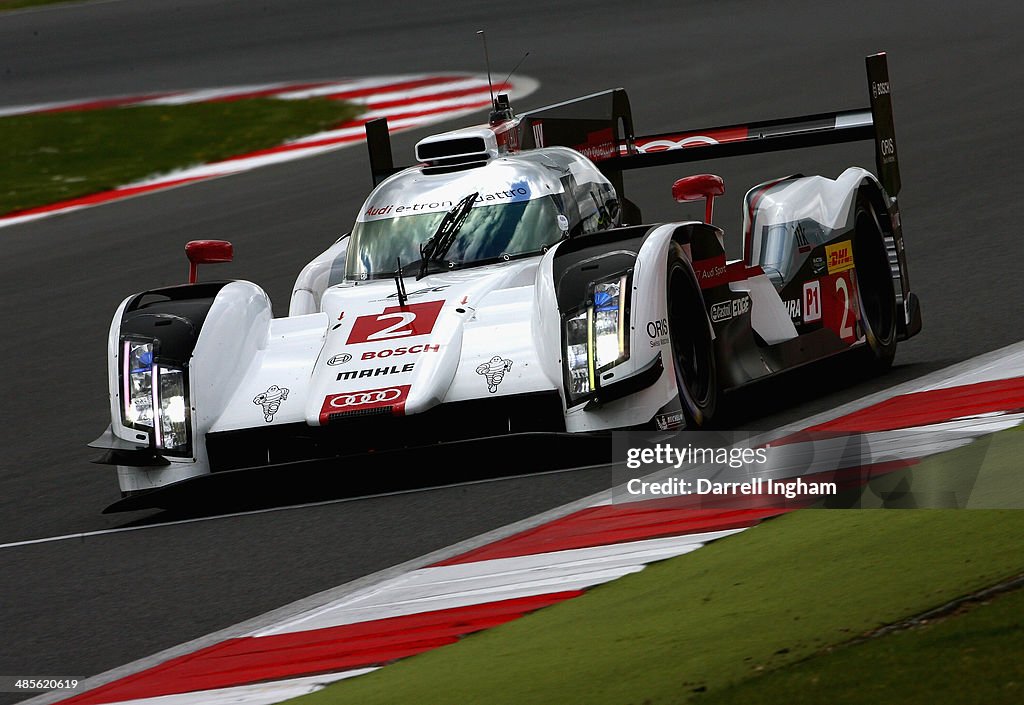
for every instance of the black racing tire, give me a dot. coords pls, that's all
(876, 294)
(692, 346)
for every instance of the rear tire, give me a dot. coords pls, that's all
(876, 295)
(692, 346)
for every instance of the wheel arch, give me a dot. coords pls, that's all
(212, 331)
(639, 388)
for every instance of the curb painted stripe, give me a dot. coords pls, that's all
(266, 693)
(283, 90)
(445, 587)
(94, 104)
(249, 659)
(614, 523)
(407, 101)
(931, 407)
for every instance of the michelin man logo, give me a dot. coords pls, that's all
(271, 400)
(494, 371)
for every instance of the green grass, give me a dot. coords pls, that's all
(988, 473)
(973, 657)
(51, 157)
(701, 623)
(15, 4)
(985, 474)
(766, 616)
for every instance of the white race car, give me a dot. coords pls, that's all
(504, 284)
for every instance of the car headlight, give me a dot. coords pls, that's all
(154, 396)
(138, 396)
(173, 429)
(577, 345)
(610, 322)
(595, 334)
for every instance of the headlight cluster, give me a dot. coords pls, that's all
(154, 396)
(577, 346)
(595, 334)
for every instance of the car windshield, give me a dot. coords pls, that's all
(489, 233)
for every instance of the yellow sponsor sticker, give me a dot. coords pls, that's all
(839, 256)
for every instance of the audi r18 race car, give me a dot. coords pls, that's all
(505, 284)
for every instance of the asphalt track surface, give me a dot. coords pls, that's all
(82, 606)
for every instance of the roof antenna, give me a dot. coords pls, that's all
(515, 68)
(487, 60)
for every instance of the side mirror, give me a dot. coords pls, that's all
(206, 252)
(697, 187)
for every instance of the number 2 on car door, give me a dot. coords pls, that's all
(845, 330)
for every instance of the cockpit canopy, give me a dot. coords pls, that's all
(524, 204)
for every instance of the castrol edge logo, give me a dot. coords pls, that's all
(364, 400)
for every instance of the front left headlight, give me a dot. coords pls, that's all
(595, 335)
(137, 392)
(154, 396)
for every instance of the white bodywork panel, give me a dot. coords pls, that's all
(314, 279)
(768, 315)
(241, 317)
(287, 354)
(823, 200)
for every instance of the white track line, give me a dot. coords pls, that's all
(288, 508)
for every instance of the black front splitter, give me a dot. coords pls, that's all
(373, 473)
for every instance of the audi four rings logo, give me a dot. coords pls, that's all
(358, 402)
(377, 396)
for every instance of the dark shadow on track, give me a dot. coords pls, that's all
(384, 472)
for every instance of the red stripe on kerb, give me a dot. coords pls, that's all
(103, 197)
(447, 95)
(399, 86)
(295, 146)
(931, 407)
(483, 102)
(104, 103)
(265, 92)
(616, 523)
(255, 659)
(671, 516)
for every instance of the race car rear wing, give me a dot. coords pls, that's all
(600, 126)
